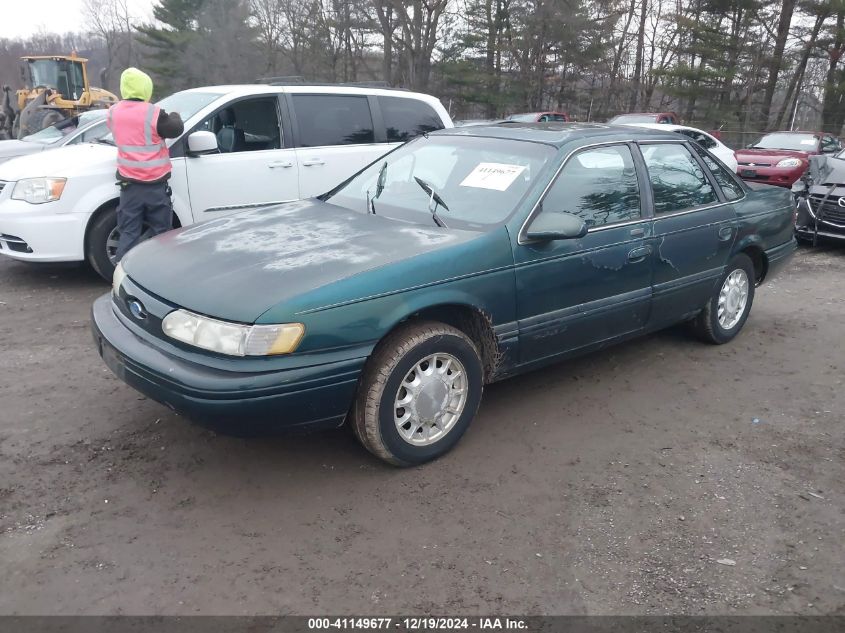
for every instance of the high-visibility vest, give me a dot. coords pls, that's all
(141, 153)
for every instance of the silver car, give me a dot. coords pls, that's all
(85, 127)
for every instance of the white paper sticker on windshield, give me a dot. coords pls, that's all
(496, 176)
(808, 141)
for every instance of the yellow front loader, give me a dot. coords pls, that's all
(57, 88)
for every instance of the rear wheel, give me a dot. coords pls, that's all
(728, 309)
(418, 394)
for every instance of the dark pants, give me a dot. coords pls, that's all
(145, 210)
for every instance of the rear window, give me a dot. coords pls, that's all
(333, 120)
(407, 118)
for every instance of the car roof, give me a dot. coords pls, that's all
(238, 90)
(558, 133)
(667, 126)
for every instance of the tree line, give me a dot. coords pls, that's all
(742, 65)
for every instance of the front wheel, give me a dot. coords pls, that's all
(101, 244)
(727, 310)
(418, 394)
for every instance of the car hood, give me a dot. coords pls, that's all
(62, 162)
(303, 255)
(771, 155)
(10, 149)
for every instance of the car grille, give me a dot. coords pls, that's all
(756, 164)
(831, 212)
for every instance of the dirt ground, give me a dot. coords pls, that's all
(613, 484)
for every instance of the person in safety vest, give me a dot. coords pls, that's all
(143, 161)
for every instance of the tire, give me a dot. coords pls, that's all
(40, 120)
(100, 243)
(708, 325)
(411, 351)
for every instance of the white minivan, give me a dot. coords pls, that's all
(243, 147)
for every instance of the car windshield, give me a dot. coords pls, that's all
(55, 133)
(481, 180)
(528, 118)
(186, 103)
(788, 140)
(633, 118)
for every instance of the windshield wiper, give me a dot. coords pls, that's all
(435, 198)
(371, 202)
(102, 141)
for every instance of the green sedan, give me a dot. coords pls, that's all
(461, 258)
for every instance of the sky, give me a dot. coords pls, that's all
(22, 18)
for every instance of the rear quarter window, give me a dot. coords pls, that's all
(407, 118)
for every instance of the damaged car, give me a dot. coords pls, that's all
(461, 258)
(821, 200)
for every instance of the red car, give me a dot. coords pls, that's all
(780, 158)
(646, 117)
(539, 117)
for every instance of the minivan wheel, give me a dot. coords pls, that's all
(729, 306)
(418, 394)
(101, 245)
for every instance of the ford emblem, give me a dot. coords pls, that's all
(137, 309)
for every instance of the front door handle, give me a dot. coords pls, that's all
(639, 254)
(638, 232)
(725, 233)
(280, 163)
(311, 162)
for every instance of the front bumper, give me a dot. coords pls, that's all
(231, 401)
(779, 176)
(831, 226)
(37, 233)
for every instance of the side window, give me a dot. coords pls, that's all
(91, 134)
(677, 180)
(406, 118)
(543, 118)
(333, 120)
(730, 187)
(558, 117)
(598, 185)
(245, 126)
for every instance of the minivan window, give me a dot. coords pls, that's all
(407, 118)
(333, 120)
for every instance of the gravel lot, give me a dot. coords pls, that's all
(615, 483)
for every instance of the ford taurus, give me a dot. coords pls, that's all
(461, 258)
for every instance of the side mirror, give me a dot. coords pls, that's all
(202, 142)
(556, 226)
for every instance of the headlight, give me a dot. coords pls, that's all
(39, 190)
(790, 162)
(117, 278)
(233, 339)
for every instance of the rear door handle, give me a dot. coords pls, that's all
(725, 233)
(638, 232)
(311, 162)
(280, 163)
(639, 254)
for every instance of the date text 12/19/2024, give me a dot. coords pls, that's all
(417, 623)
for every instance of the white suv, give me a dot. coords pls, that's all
(243, 147)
